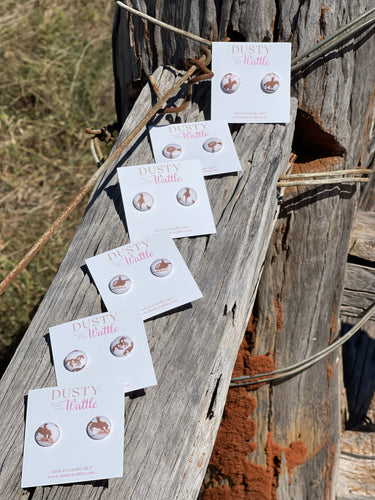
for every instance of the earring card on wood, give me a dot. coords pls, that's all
(108, 345)
(251, 82)
(166, 197)
(209, 141)
(74, 433)
(153, 294)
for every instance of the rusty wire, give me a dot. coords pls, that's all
(204, 74)
(95, 177)
(349, 30)
(103, 134)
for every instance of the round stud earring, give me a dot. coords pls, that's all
(161, 267)
(187, 196)
(75, 361)
(122, 346)
(143, 201)
(270, 83)
(120, 284)
(172, 151)
(47, 434)
(213, 145)
(230, 83)
(99, 427)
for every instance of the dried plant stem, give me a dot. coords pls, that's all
(79, 62)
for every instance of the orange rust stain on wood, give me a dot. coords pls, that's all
(329, 372)
(234, 439)
(317, 165)
(333, 326)
(329, 470)
(279, 314)
(234, 444)
(322, 21)
(302, 166)
(200, 463)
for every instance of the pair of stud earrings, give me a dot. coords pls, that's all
(49, 433)
(121, 283)
(230, 82)
(143, 201)
(121, 347)
(211, 145)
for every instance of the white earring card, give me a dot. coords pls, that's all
(74, 433)
(251, 82)
(107, 345)
(170, 197)
(149, 274)
(209, 141)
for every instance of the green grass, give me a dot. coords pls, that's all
(56, 80)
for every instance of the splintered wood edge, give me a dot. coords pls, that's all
(169, 434)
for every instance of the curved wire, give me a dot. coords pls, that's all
(163, 25)
(306, 363)
(332, 41)
(298, 62)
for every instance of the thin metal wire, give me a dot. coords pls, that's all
(298, 62)
(329, 173)
(169, 27)
(91, 182)
(306, 363)
(318, 182)
(332, 41)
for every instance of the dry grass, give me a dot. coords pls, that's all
(56, 80)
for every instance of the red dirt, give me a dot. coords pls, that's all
(246, 365)
(295, 455)
(238, 477)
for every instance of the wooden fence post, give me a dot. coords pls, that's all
(298, 301)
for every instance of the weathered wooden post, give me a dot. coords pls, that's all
(169, 433)
(298, 301)
(297, 306)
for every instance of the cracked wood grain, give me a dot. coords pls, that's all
(170, 431)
